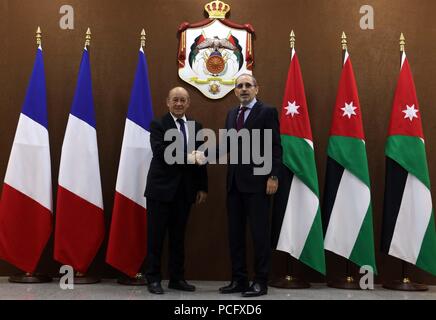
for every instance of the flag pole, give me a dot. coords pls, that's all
(82, 278)
(139, 279)
(292, 39)
(290, 281)
(29, 277)
(38, 37)
(405, 284)
(143, 38)
(348, 282)
(88, 38)
(344, 44)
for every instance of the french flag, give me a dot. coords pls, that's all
(79, 228)
(127, 246)
(26, 203)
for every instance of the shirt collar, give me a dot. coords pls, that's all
(175, 119)
(250, 105)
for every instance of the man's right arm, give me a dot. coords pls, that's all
(157, 142)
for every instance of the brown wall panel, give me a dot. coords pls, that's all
(318, 25)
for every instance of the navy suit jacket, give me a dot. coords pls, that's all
(261, 117)
(164, 180)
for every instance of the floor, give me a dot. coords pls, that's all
(206, 290)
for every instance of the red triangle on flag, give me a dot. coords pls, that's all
(405, 116)
(294, 119)
(347, 116)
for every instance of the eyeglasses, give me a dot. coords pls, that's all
(247, 85)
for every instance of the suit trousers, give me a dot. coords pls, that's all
(162, 217)
(254, 207)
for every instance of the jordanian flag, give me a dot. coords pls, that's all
(347, 213)
(297, 216)
(408, 219)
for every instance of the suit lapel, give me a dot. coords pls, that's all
(168, 122)
(232, 118)
(253, 114)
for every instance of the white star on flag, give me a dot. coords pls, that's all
(349, 110)
(410, 112)
(292, 108)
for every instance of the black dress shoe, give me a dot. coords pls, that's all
(180, 285)
(255, 290)
(234, 287)
(155, 287)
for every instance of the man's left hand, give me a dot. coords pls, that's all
(200, 158)
(201, 197)
(272, 186)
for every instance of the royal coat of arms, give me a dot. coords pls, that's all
(215, 51)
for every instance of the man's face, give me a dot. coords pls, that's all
(178, 102)
(245, 89)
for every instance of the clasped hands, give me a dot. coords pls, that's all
(197, 157)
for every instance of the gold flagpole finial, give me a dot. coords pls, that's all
(292, 39)
(38, 36)
(344, 41)
(88, 38)
(402, 43)
(143, 38)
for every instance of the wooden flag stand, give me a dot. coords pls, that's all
(405, 284)
(289, 281)
(138, 280)
(30, 278)
(348, 282)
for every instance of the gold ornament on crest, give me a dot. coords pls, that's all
(217, 9)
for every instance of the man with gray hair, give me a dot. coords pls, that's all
(171, 190)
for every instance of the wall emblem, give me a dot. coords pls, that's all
(215, 51)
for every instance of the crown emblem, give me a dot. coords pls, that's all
(217, 9)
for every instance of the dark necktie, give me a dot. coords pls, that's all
(241, 118)
(183, 131)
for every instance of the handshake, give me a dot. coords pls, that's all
(197, 157)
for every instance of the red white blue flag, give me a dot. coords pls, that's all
(26, 203)
(79, 228)
(127, 246)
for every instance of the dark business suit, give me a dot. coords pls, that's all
(247, 198)
(170, 191)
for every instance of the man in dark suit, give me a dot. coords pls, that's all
(170, 191)
(248, 194)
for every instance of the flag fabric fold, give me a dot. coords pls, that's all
(347, 210)
(127, 246)
(79, 229)
(26, 204)
(297, 227)
(408, 231)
